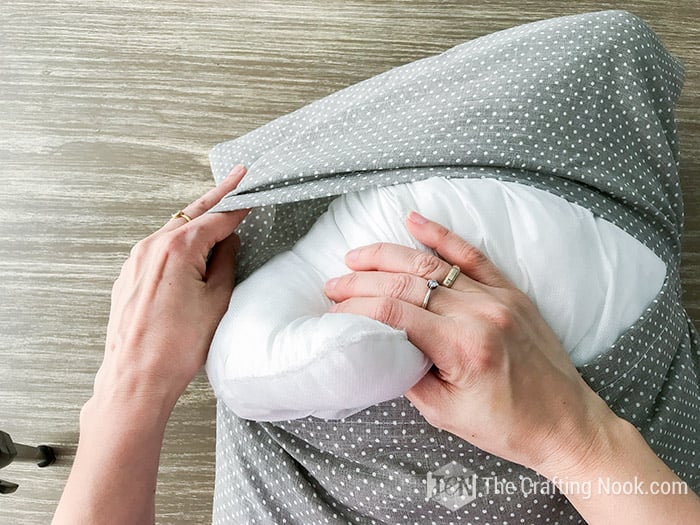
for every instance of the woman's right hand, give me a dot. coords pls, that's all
(502, 380)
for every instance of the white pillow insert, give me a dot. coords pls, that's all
(278, 355)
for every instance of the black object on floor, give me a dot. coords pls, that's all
(10, 451)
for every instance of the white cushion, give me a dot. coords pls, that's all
(278, 355)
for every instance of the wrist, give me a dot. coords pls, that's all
(128, 384)
(617, 478)
(101, 412)
(121, 433)
(589, 450)
(128, 399)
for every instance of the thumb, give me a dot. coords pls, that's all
(221, 268)
(431, 396)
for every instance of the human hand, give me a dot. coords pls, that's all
(166, 304)
(503, 381)
(168, 300)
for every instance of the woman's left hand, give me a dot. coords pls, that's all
(169, 297)
(168, 300)
(502, 381)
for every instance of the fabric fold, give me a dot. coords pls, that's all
(579, 106)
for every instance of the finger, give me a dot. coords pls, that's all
(431, 397)
(211, 228)
(222, 264)
(453, 248)
(387, 257)
(436, 336)
(402, 286)
(208, 200)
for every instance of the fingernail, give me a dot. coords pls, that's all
(416, 218)
(352, 255)
(237, 170)
(331, 283)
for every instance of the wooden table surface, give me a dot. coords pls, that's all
(107, 112)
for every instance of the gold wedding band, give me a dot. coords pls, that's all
(451, 276)
(181, 214)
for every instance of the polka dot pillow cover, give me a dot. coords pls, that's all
(580, 107)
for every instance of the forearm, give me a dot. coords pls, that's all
(114, 476)
(624, 482)
(166, 304)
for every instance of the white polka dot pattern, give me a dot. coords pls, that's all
(580, 106)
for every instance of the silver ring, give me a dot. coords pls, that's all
(432, 284)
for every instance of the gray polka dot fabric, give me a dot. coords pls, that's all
(579, 106)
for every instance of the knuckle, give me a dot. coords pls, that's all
(139, 250)
(499, 315)
(116, 286)
(397, 286)
(433, 416)
(374, 252)
(199, 206)
(442, 234)
(484, 358)
(521, 303)
(425, 264)
(175, 242)
(350, 281)
(471, 255)
(479, 356)
(388, 312)
(479, 363)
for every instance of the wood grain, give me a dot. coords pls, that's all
(107, 112)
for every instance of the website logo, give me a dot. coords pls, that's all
(452, 485)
